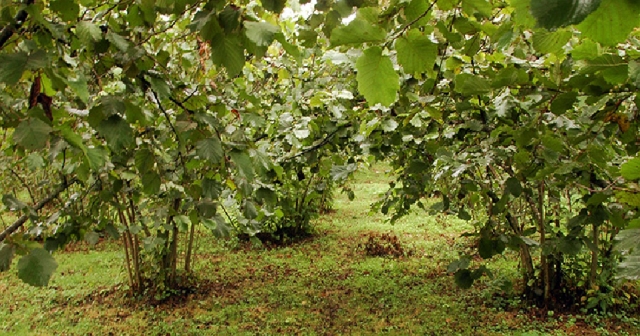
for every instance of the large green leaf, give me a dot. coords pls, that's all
(13, 65)
(377, 80)
(218, 226)
(32, 134)
(144, 160)
(79, 86)
(551, 42)
(468, 84)
(71, 137)
(244, 164)
(151, 183)
(612, 22)
(210, 150)
(361, 30)
(559, 13)
(630, 170)
(227, 51)
(117, 132)
(37, 267)
(416, 53)
(628, 242)
(159, 86)
(88, 31)
(261, 33)
(464, 278)
(96, 157)
(513, 187)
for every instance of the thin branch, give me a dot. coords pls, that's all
(24, 183)
(408, 25)
(11, 28)
(23, 219)
(319, 145)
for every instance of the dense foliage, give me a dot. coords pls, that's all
(147, 119)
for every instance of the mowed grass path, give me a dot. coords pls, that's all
(321, 286)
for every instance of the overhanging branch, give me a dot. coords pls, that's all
(23, 219)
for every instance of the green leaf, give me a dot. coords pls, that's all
(7, 251)
(92, 238)
(135, 114)
(552, 14)
(210, 150)
(67, 9)
(462, 263)
(250, 211)
(120, 42)
(464, 215)
(416, 8)
(35, 161)
(628, 240)
(79, 86)
(37, 267)
(32, 134)
(612, 22)
(211, 188)
(266, 195)
(71, 137)
(564, 102)
(342, 172)
(358, 31)
(569, 245)
(243, 163)
(261, 33)
(416, 54)
(183, 222)
(629, 268)
(275, 6)
(485, 248)
(144, 160)
(117, 132)
(523, 15)
(586, 50)
(13, 65)
(630, 170)
(481, 6)
(463, 278)
(629, 198)
(613, 68)
(468, 84)
(151, 183)
(634, 73)
(513, 186)
(96, 157)
(227, 51)
(159, 86)
(218, 226)
(12, 203)
(551, 42)
(377, 80)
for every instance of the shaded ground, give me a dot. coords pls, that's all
(325, 286)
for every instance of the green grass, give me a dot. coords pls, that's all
(324, 285)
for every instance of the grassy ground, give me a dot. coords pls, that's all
(324, 285)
